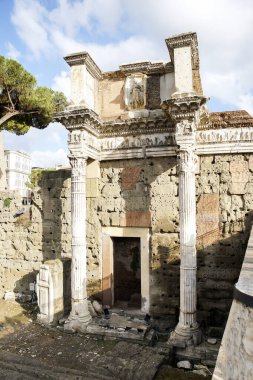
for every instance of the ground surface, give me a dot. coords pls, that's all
(29, 351)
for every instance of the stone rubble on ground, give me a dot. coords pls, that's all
(184, 364)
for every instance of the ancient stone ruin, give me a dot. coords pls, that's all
(154, 214)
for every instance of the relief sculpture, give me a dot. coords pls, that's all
(135, 92)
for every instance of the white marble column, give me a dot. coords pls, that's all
(79, 316)
(187, 329)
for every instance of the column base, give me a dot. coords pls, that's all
(78, 319)
(184, 336)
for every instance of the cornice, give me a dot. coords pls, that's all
(143, 67)
(135, 127)
(183, 107)
(83, 58)
(182, 40)
(76, 118)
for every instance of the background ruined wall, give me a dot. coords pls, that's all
(41, 233)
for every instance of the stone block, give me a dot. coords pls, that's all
(225, 202)
(135, 219)
(114, 219)
(129, 178)
(207, 219)
(237, 202)
(251, 163)
(111, 190)
(92, 188)
(239, 177)
(50, 291)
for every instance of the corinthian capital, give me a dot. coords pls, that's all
(187, 160)
(78, 164)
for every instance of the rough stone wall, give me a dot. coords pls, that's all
(41, 233)
(144, 193)
(139, 193)
(224, 214)
(196, 81)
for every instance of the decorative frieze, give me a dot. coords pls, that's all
(215, 136)
(145, 67)
(137, 142)
(135, 127)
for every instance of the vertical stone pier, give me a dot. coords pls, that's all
(79, 316)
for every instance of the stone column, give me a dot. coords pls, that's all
(186, 111)
(187, 330)
(79, 316)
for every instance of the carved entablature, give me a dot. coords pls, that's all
(135, 127)
(183, 108)
(77, 141)
(182, 40)
(145, 68)
(185, 127)
(140, 141)
(215, 136)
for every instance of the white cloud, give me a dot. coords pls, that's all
(61, 83)
(51, 141)
(49, 158)
(119, 31)
(12, 52)
(30, 19)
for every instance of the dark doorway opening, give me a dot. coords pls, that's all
(127, 272)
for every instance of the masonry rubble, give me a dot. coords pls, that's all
(155, 212)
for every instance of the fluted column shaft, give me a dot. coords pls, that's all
(79, 315)
(187, 215)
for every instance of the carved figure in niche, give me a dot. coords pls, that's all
(137, 96)
(135, 91)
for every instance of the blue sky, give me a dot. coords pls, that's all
(38, 33)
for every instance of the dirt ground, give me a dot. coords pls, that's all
(30, 351)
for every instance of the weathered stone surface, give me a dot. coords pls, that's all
(184, 364)
(239, 176)
(208, 219)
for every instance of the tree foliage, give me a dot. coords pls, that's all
(23, 104)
